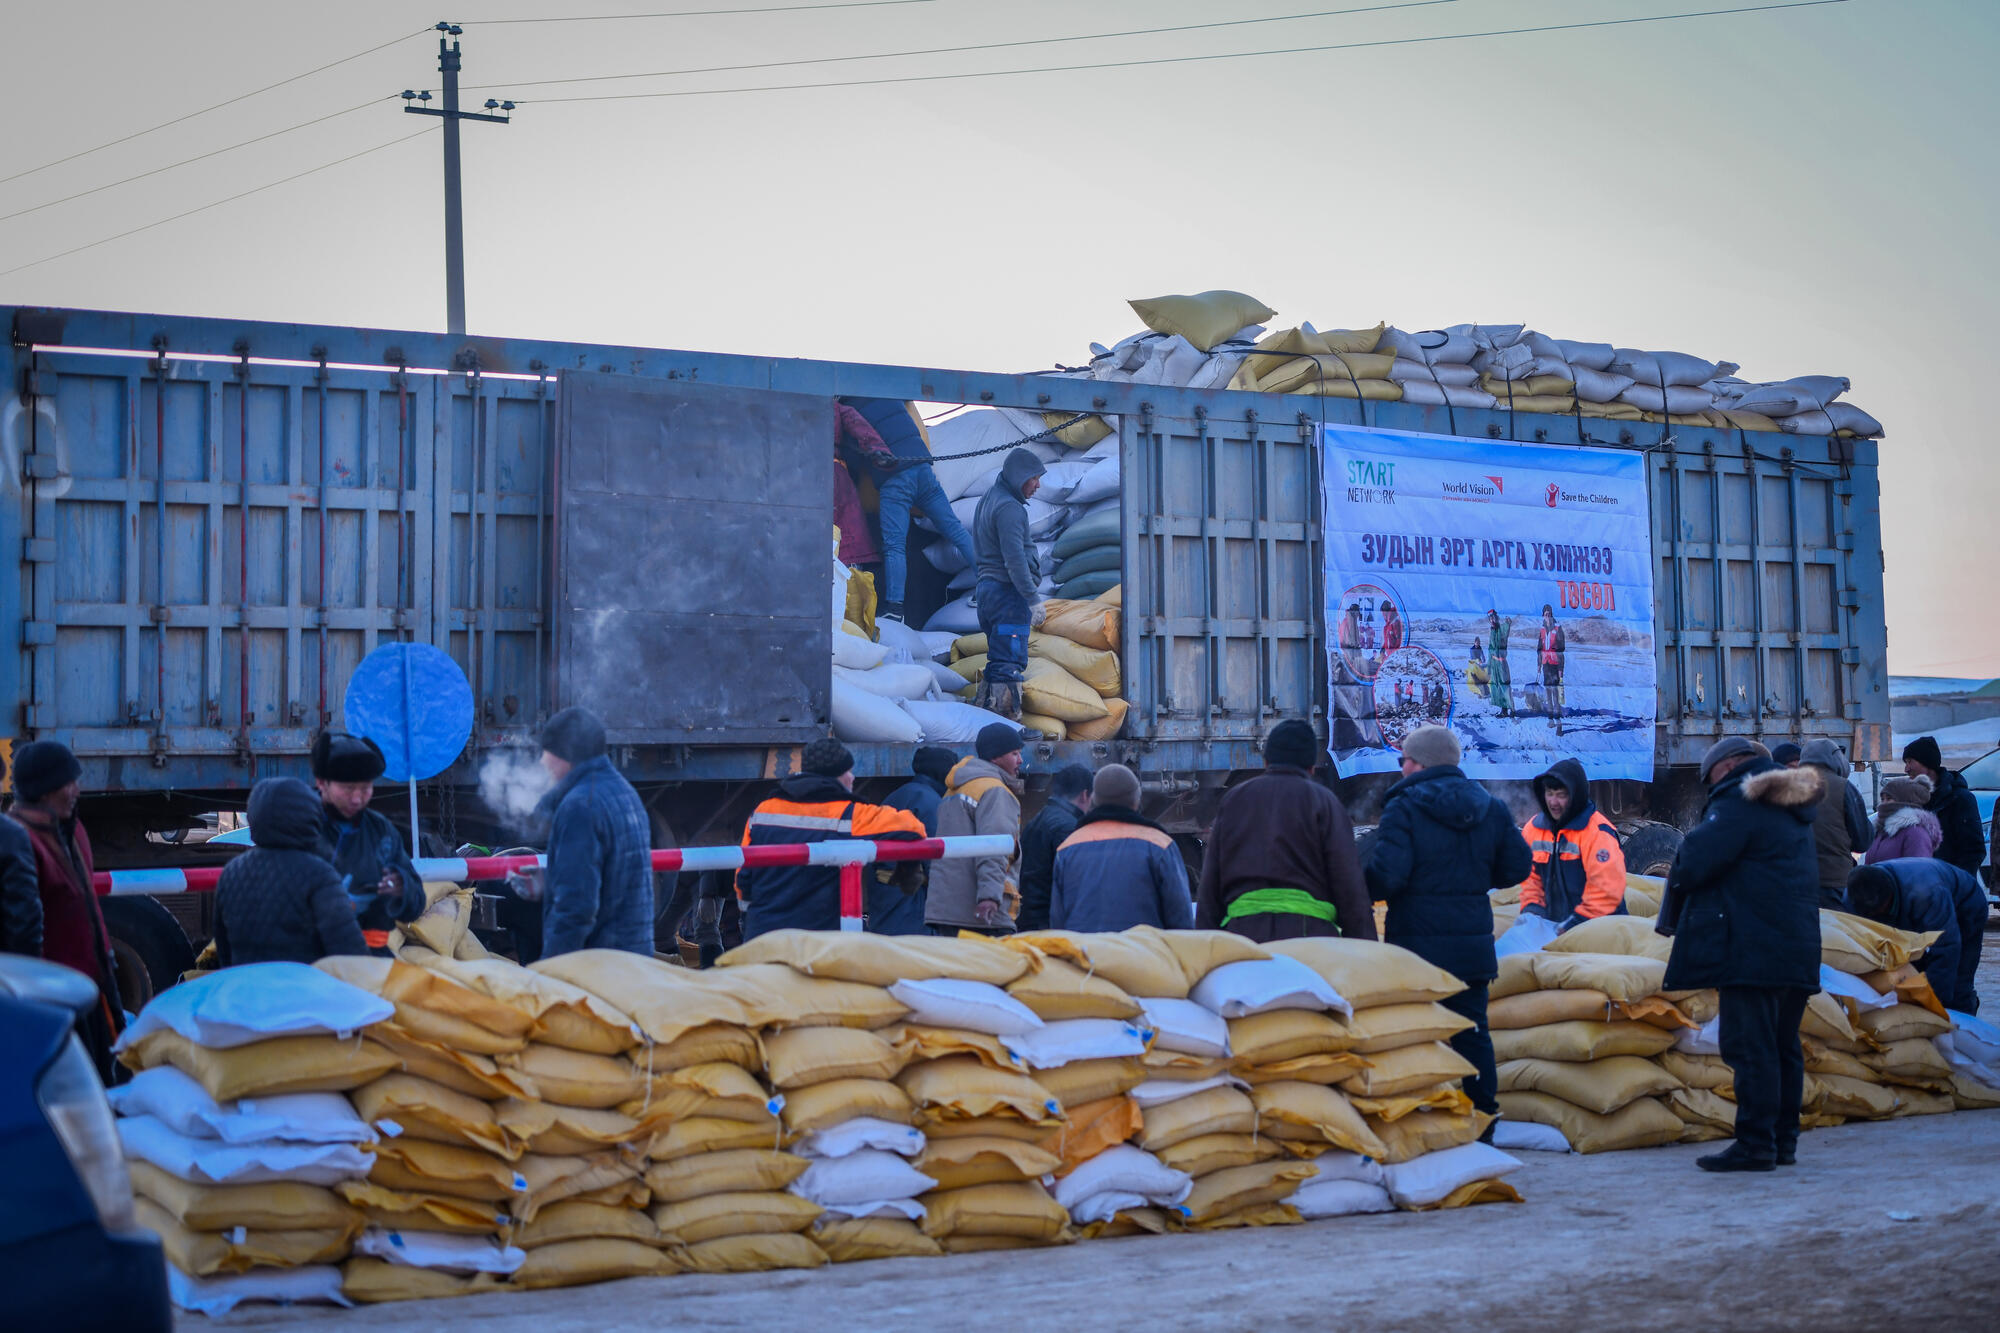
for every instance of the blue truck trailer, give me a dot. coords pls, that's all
(217, 519)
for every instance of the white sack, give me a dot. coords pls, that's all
(1185, 1027)
(950, 721)
(865, 1176)
(1341, 1165)
(1430, 1178)
(921, 645)
(954, 618)
(184, 1106)
(1529, 934)
(318, 1284)
(1340, 1198)
(1526, 1136)
(889, 681)
(1160, 1091)
(211, 1162)
(976, 1006)
(862, 1132)
(1098, 483)
(1236, 990)
(1058, 1042)
(857, 654)
(443, 1251)
(1124, 1169)
(256, 1001)
(1425, 394)
(869, 719)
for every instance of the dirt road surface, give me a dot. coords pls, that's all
(1888, 1224)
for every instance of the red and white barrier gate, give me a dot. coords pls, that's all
(850, 854)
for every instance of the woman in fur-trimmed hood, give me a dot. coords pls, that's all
(1903, 826)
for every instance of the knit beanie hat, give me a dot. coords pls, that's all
(340, 757)
(1432, 747)
(933, 761)
(1870, 890)
(1292, 744)
(996, 739)
(1924, 749)
(41, 767)
(1906, 791)
(1785, 752)
(575, 734)
(826, 759)
(1115, 784)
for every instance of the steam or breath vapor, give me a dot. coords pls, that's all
(510, 783)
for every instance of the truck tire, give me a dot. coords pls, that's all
(149, 950)
(1649, 847)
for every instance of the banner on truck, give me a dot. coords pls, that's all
(1503, 590)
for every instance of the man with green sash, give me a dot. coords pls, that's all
(1280, 863)
(1496, 663)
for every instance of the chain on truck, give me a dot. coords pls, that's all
(217, 520)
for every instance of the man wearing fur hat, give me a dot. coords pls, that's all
(364, 846)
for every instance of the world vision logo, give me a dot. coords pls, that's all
(1499, 484)
(1479, 491)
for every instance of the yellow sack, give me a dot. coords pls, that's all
(1255, 1215)
(665, 1001)
(1629, 935)
(1106, 728)
(1095, 667)
(861, 601)
(1578, 1041)
(1094, 624)
(367, 1281)
(1024, 1210)
(1694, 1071)
(1412, 1136)
(577, 1078)
(1174, 1067)
(857, 1238)
(573, 1219)
(480, 1076)
(1857, 945)
(1222, 1110)
(1411, 1069)
(991, 1126)
(776, 996)
(881, 960)
(711, 1043)
(1621, 977)
(1051, 728)
(442, 925)
(1077, 435)
(1918, 1101)
(1388, 1026)
(1863, 1099)
(264, 1068)
(397, 1210)
(1823, 1059)
(1139, 964)
(1112, 596)
(1910, 986)
(754, 1254)
(1287, 1034)
(1082, 1081)
(1612, 411)
(1516, 976)
(1602, 1086)
(1050, 691)
(1236, 1188)
(842, 1099)
(1560, 404)
(1531, 1009)
(1089, 1129)
(802, 1056)
(1825, 1020)
(1309, 1112)
(1369, 973)
(1900, 1022)
(1969, 1094)
(573, 1263)
(1200, 952)
(961, 1088)
(1645, 1123)
(713, 1216)
(914, 1043)
(559, 1014)
(1388, 1110)
(1702, 1109)
(1209, 1153)
(710, 1091)
(277, 1205)
(433, 1007)
(425, 1110)
(564, 1131)
(1325, 1069)
(706, 1134)
(1062, 990)
(984, 1159)
(733, 1171)
(1535, 386)
(1912, 1061)
(1204, 319)
(526, 1186)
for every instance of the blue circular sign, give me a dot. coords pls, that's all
(413, 701)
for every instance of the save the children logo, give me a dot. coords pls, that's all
(1555, 494)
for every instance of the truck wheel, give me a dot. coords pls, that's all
(149, 950)
(1650, 847)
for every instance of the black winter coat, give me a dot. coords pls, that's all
(1957, 811)
(1442, 845)
(1932, 894)
(20, 893)
(1742, 898)
(282, 901)
(363, 851)
(1055, 821)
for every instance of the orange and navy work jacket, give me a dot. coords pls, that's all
(1588, 878)
(809, 809)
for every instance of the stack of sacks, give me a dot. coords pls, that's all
(1972, 1048)
(977, 1110)
(237, 1134)
(1072, 684)
(500, 1131)
(1404, 1094)
(1435, 369)
(1575, 1036)
(696, 1097)
(1342, 363)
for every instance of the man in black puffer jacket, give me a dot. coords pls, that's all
(1742, 903)
(1442, 845)
(1952, 801)
(282, 901)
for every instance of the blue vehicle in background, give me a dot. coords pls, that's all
(72, 1256)
(1983, 776)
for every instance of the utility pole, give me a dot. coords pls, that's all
(454, 206)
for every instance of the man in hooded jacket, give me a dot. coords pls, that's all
(896, 892)
(365, 847)
(1742, 906)
(1063, 808)
(1119, 869)
(599, 891)
(1840, 830)
(1952, 801)
(982, 796)
(1010, 580)
(1923, 894)
(1443, 844)
(816, 804)
(1579, 869)
(282, 901)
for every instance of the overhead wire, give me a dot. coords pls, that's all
(971, 46)
(243, 194)
(695, 13)
(1183, 60)
(231, 101)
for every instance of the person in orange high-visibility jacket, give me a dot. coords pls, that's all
(1579, 865)
(815, 804)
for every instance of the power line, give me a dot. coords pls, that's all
(240, 97)
(199, 157)
(1182, 60)
(258, 189)
(975, 46)
(699, 13)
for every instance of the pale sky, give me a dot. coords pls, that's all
(1803, 191)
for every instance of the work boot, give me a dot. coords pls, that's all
(1733, 1158)
(1788, 1154)
(983, 696)
(1007, 701)
(890, 611)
